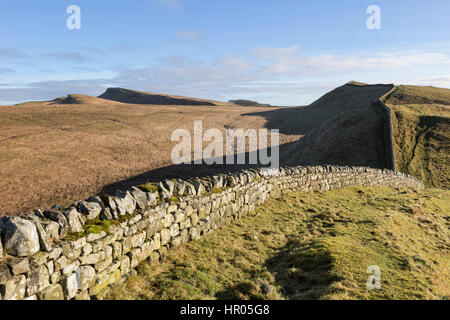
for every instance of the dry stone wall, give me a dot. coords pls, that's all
(388, 137)
(80, 251)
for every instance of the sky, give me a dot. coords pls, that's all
(282, 52)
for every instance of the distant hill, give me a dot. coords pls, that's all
(139, 97)
(248, 103)
(357, 83)
(341, 128)
(346, 127)
(80, 99)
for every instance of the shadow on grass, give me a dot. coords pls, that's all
(190, 170)
(244, 290)
(184, 171)
(338, 129)
(302, 270)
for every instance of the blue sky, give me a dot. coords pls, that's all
(286, 52)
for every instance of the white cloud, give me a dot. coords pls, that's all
(289, 61)
(442, 80)
(285, 73)
(276, 53)
(70, 56)
(7, 71)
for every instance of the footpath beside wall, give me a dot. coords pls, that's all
(78, 252)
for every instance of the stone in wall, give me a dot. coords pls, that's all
(19, 236)
(91, 210)
(42, 234)
(58, 217)
(14, 288)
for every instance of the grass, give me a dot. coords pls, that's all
(357, 83)
(421, 133)
(419, 95)
(67, 152)
(313, 246)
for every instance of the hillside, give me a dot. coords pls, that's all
(80, 99)
(341, 128)
(313, 246)
(72, 147)
(79, 145)
(243, 102)
(139, 97)
(346, 127)
(421, 132)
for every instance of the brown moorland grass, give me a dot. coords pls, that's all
(313, 246)
(67, 149)
(63, 150)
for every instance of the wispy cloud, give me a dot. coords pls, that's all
(69, 56)
(48, 90)
(7, 71)
(10, 53)
(282, 73)
(289, 61)
(441, 80)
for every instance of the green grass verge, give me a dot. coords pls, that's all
(313, 246)
(421, 136)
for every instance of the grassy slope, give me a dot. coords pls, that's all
(313, 246)
(341, 128)
(421, 132)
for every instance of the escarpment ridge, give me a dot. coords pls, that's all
(139, 97)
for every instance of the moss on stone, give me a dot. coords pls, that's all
(217, 190)
(149, 187)
(97, 226)
(174, 199)
(127, 216)
(92, 226)
(74, 236)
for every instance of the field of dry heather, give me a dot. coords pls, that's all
(68, 149)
